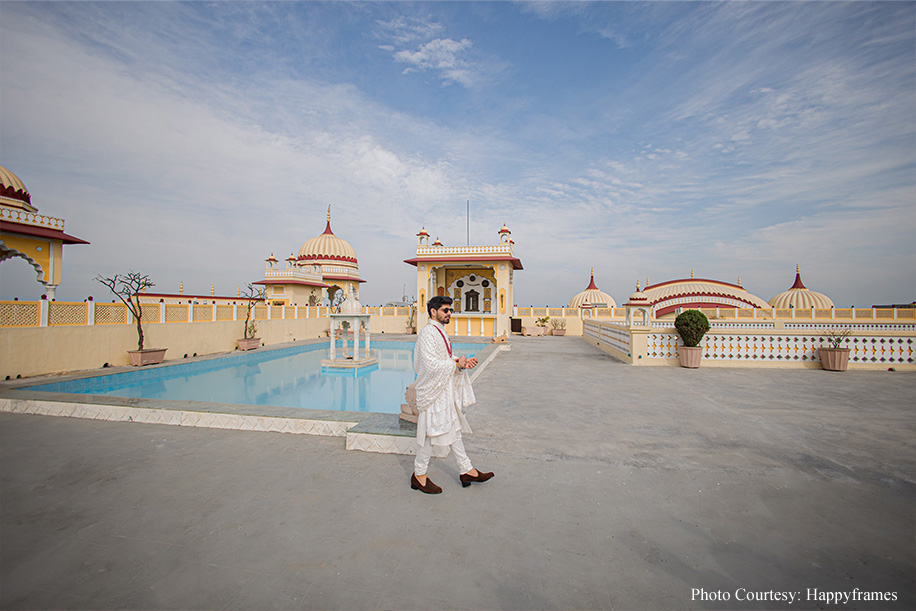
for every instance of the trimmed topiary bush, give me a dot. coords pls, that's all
(691, 325)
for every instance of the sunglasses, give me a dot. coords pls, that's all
(446, 310)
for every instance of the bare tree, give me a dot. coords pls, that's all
(127, 288)
(252, 295)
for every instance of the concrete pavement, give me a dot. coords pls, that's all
(617, 487)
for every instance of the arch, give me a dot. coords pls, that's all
(9, 253)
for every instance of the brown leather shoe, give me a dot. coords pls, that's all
(467, 478)
(429, 488)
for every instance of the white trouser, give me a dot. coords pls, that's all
(425, 452)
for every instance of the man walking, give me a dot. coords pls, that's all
(443, 390)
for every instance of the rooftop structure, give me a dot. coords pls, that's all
(31, 236)
(592, 297)
(478, 278)
(326, 267)
(799, 296)
(667, 297)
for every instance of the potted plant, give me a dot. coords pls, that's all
(127, 288)
(834, 357)
(558, 326)
(691, 325)
(249, 341)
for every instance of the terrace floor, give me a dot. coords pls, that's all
(617, 487)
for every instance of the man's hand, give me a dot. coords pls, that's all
(466, 363)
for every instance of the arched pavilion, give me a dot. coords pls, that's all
(667, 297)
(25, 234)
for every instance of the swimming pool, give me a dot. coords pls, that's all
(285, 377)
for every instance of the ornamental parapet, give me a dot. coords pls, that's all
(31, 218)
(46, 313)
(291, 274)
(498, 249)
(340, 271)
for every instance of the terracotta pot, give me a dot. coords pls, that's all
(249, 343)
(558, 332)
(834, 359)
(690, 356)
(147, 356)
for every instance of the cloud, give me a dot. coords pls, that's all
(440, 55)
(194, 167)
(404, 30)
(183, 126)
(417, 43)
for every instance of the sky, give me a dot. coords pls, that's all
(189, 141)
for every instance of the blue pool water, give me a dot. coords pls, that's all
(288, 377)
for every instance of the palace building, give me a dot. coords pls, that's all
(478, 278)
(668, 297)
(326, 267)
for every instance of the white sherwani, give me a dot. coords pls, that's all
(442, 389)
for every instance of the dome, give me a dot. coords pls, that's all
(12, 188)
(638, 298)
(327, 247)
(592, 296)
(799, 296)
(351, 305)
(697, 288)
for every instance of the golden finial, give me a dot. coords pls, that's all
(739, 279)
(329, 213)
(647, 281)
(212, 290)
(593, 271)
(691, 273)
(637, 286)
(797, 269)
(238, 291)
(181, 288)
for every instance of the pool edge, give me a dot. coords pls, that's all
(268, 419)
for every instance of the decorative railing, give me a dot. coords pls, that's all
(56, 314)
(31, 218)
(653, 345)
(503, 248)
(340, 271)
(291, 274)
